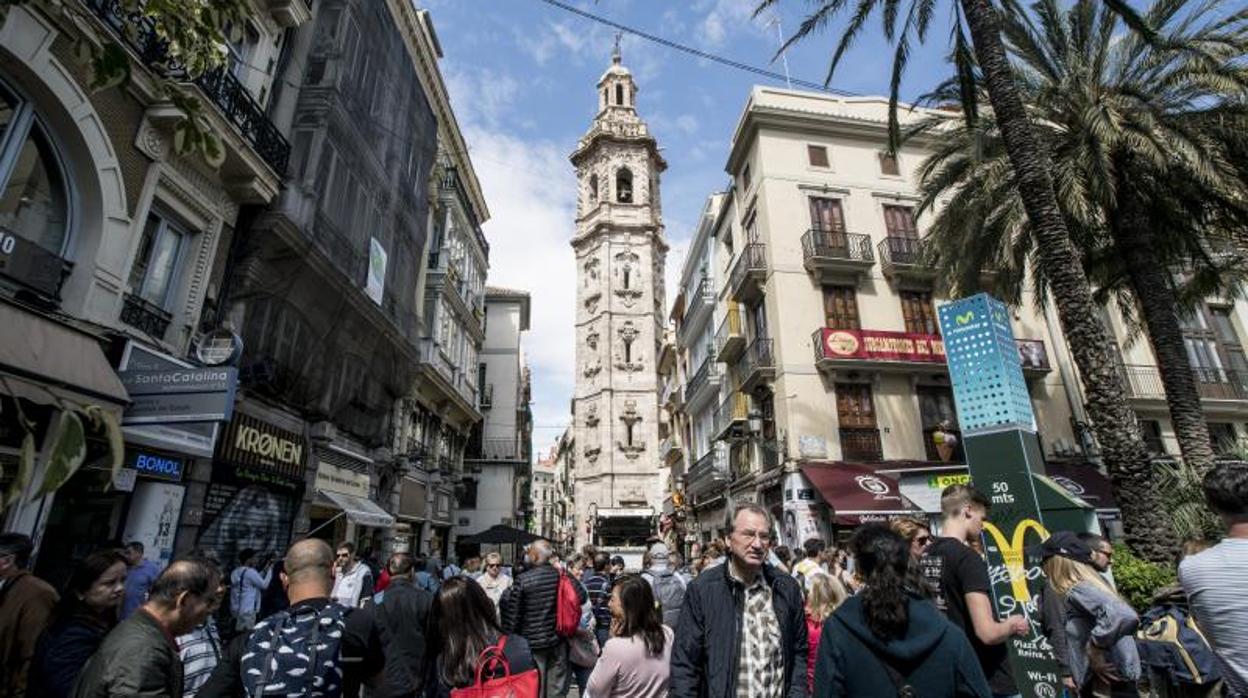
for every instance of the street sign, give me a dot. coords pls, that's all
(998, 426)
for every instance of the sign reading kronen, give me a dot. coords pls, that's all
(250, 442)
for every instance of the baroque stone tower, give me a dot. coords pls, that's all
(620, 254)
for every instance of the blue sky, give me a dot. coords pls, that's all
(521, 75)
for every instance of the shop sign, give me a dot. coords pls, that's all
(156, 465)
(179, 394)
(882, 345)
(332, 478)
(260, 447)
(219, 347)
(194, 438)
(153, 520)
(30, 264)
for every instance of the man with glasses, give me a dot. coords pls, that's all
(353, 580)
(1102, 551)
(742, 628)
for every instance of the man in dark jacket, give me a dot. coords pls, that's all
(400, 622)
(140, 656)
(530, 614)
(26, 603)
(742, 628)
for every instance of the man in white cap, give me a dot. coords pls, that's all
(668, 587)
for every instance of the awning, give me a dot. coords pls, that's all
(857, 493)
(48, 362)
(1085, 482)
(362, 511)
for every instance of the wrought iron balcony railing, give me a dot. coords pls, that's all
(859, 444)
(1144, 382)
(220, 87)
(708, 474)
(145, 316)
(487, 396)
(832, 248)
(702, 300)
(708, 370)
(731, 416)
(757, 364)
(749, 273)
(729, 339)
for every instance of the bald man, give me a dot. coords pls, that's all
(140, 656)
(307, 577)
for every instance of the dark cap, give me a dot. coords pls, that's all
(617, 560)
(1067, 545)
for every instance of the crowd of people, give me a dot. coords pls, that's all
(900, 611)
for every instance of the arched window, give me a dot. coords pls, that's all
(34, 194)
(624, 186)
(593, 189)
(619, 95)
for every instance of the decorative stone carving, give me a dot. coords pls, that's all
(591, 303)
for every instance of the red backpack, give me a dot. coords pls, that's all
(567, 607)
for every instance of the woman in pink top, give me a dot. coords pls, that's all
(636, 660)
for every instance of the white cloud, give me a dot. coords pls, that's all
(723, 20)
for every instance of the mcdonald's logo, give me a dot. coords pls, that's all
(1012, 553)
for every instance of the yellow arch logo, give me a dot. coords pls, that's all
(1012, 553)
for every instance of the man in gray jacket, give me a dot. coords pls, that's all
(140, 656)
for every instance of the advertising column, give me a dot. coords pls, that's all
(257, 483)
(998, 425)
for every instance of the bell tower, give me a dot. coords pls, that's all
(620, 253)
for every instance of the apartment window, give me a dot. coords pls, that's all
(468, 494)
(918, 313)
(840, 307)
(155, 264)
(745, 178)
(940, 422)
(1150, 429)
(826, 214)
(888, 165)
(1223, 436)
(817, 155)
(899, 222)
(34, 195)
(855, 411)
(1228, 338)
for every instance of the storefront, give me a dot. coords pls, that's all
(341, 509)
(854, 494)
(256, 486)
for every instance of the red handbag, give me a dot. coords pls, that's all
(523, 685)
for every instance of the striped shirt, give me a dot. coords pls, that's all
(200, 650)
(1214, 583)
(598, 588)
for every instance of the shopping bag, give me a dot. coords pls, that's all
(523, 685)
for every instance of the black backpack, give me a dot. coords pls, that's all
(296, 654)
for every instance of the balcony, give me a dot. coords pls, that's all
(729, 340)
(673, 394)
(144, 316)
(757, 365)
(901, 260)
(861, 445)
(497, 449)
(30, 267)
(1033, 357)
(487, 396)
(670, 451)
(836, 253)
(220, 88)
(731, 417)
(704, 384)
(699, 307)
(708, 475)
(749, 274)
(1144, 383)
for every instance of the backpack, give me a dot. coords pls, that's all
(567, 607)
(1170, 644)
(296, 654)
(669, 591)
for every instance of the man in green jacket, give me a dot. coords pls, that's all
(140, 656)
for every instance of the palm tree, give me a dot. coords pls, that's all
(1143, 138)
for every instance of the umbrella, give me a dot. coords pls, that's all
(500, 535)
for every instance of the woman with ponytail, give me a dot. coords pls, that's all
(886, 641)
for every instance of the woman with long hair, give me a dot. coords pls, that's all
(886, 641)
(1099, 628)
(463, 623)
(86, 612)
(824, 595)
(917, 532)
(636, 661)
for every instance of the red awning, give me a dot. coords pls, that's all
(1085, 482)
(857, 494)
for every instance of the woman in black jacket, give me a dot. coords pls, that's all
(462, 623)
(886, 639)
(86, 612)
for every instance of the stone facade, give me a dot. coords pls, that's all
(620, 252)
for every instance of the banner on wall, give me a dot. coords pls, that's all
(801, 517)
(153, 521)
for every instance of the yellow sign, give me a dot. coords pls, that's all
(1012, 553)
(940, 482)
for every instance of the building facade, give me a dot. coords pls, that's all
(620, 252)
(496, 465)
(806, 326)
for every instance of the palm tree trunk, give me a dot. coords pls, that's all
(1144, 519)
(1151, 283)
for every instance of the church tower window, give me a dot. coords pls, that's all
(619, 95)
(593, 189)
(624, 186)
